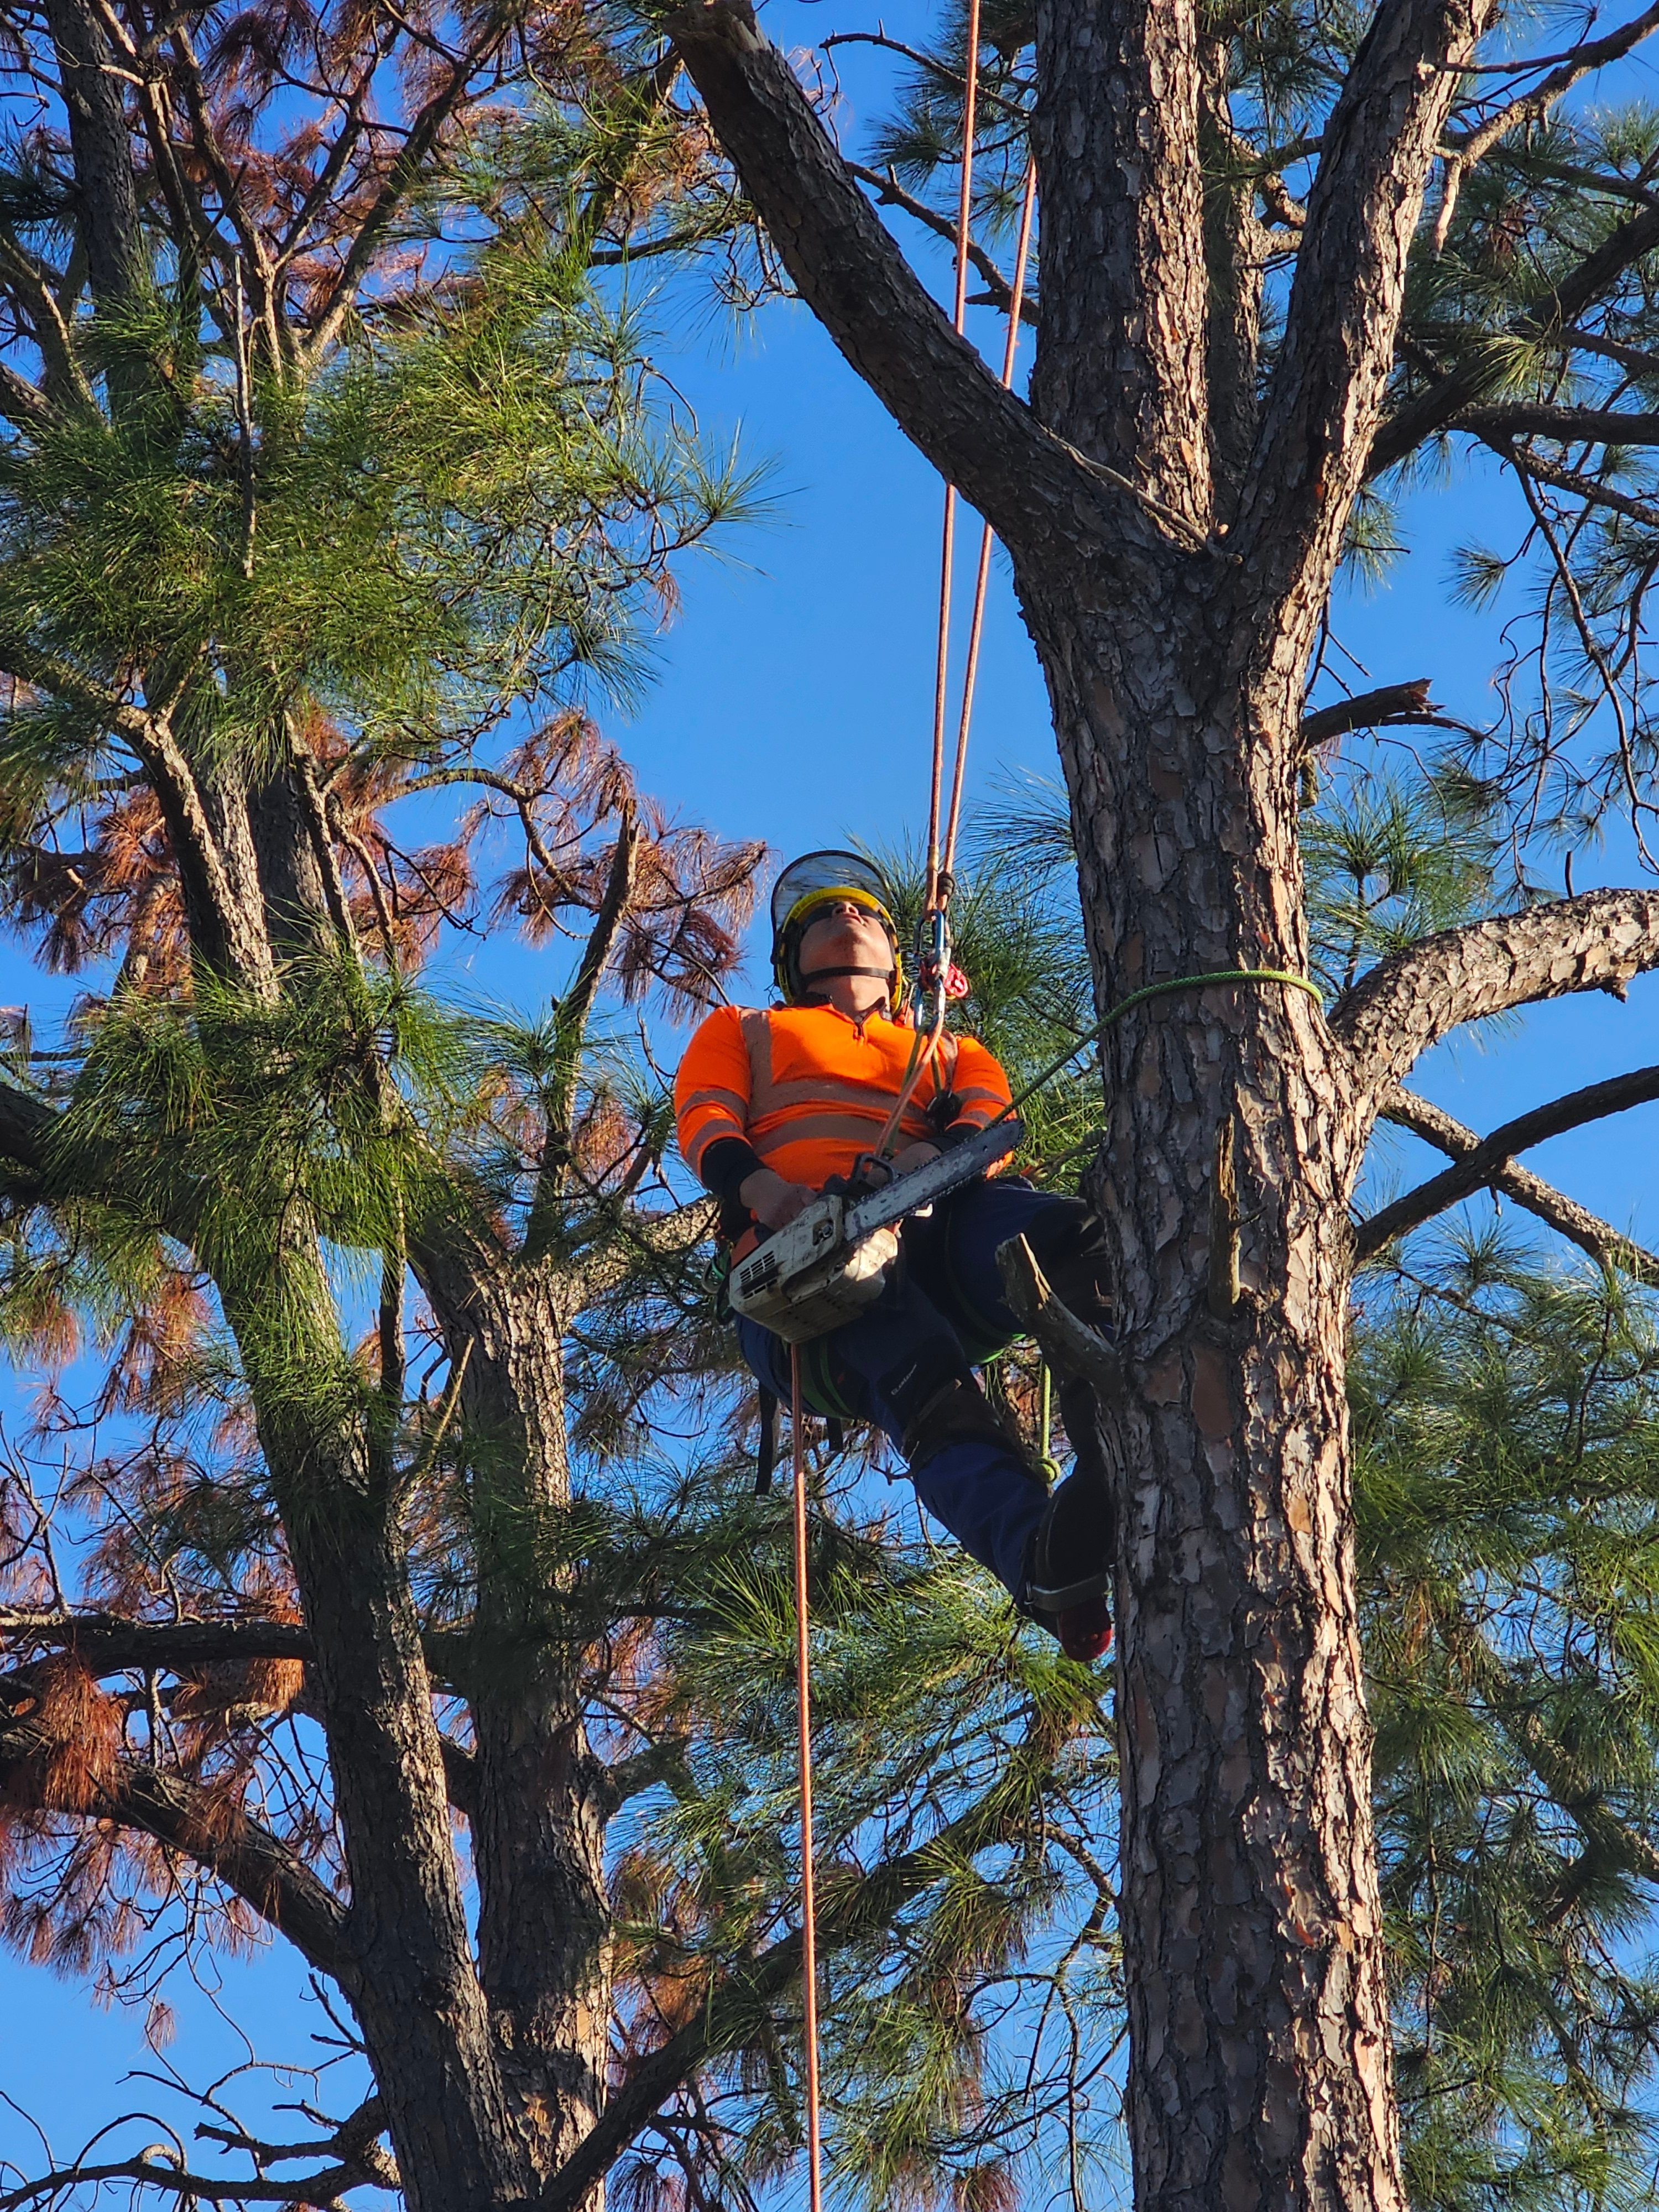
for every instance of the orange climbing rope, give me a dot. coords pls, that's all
(947, 546)
(809, 1934)
(941, 859)
(976, 624)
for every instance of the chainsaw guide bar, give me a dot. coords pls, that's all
(832, 1259)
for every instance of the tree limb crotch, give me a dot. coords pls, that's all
(853, 275)
(1475, 1169)
(1605, 1244)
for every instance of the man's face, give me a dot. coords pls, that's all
(840, 933)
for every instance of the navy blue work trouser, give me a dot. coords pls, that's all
(942, 1307)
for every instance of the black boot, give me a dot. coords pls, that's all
(1068, 1569)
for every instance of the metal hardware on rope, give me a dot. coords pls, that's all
(1157, 991)
(809, 1934)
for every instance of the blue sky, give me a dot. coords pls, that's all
(792, 701)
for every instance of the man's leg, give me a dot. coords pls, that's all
(953, 1255)
(900, 1364)
(955, 1259)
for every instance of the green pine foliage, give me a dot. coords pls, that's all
(502, 494)
(1506, 1421)
(1388, 858)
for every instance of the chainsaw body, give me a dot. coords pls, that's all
(829, 1262)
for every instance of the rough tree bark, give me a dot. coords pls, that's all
(1173, 531)
(1173, 545)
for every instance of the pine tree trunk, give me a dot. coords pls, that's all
(492, 2069)
(414, 1988)
(539, 1825)
(1259, 2067)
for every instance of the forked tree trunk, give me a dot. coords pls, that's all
(492, 2067)
(540, 1815)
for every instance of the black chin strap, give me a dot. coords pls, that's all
(822, 974)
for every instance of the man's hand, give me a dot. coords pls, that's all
(914, 1156)
(772, 1199)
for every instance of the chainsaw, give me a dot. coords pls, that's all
(832, 1259)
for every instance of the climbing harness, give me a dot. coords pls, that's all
(809, 1932)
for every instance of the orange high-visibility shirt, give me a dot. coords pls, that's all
(810, 1089)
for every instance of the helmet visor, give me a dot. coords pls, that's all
(818, 876)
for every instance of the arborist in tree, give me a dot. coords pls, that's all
(772, 1105)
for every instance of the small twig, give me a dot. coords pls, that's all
(429, 1459)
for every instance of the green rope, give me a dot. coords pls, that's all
(1157, 991)
(1046, 1459)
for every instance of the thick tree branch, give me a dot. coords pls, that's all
(21, 403)
(224, 935)
(1329, 388)
(1474, 145)
(1590, 489)
(852, 274)
(106, 1643)
(111, 1644)
(460, 1777)
(1627, 356)
(25, 1127)
(1475, 1170)
(45, 671)
(369, 2170)
(1406, 1004)
(35, 300)
(1604, 1243)
(1583, 426)
(256, 1865)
